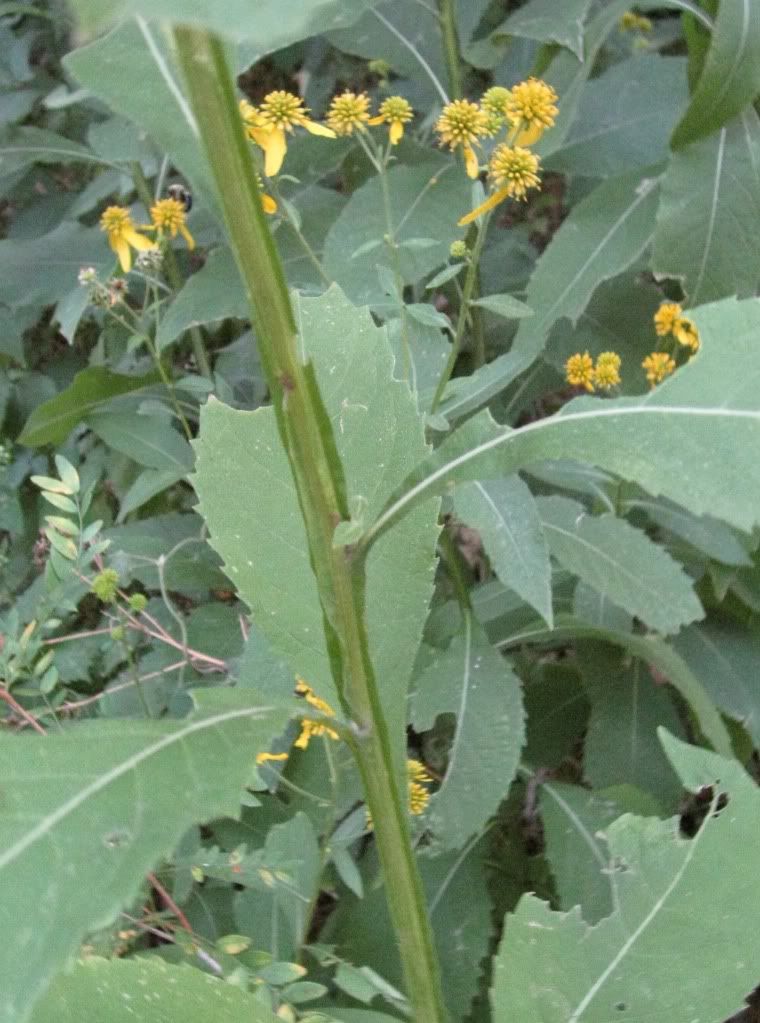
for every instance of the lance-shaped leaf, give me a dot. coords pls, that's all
(708, 224)
(693, 438)
(121, 990)
(540, 19)
(86, 813)
(603, 235)
(475, 683)
(249, 502)
(730, 79)
(620, 562)
(506, 515)
(554, 967)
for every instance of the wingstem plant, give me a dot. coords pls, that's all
(307, 438)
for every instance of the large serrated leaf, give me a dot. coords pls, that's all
(249, 502)
(708, 224)
(541, 19)
(475, 683)
(121, 990)
(85, 814)
(554, 967)
(693, 438)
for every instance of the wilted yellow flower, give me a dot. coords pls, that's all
(310, 728)
(666, 318)
(266, 125)
(348, 111)
(658, 365)
(169, 216)
(579, 371)
(395, 111)
(123, 236)
(686, 333)
(513, 172)
(531, 109)
(607, 370)
(462, 123)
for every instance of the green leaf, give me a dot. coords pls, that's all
(273, 24)
(147, 440)
(730, 79)
(624, 118)
(214, 293)
(712, 537)
(504, 305)
(506, 515)
(602, 236)
(53, 421)
(540, 19)
(249, 502)
(475, 683)
(724, 657)
(464, 395)
(627, 706)
(426, 201)
(118, 989)
(554, 967)
(621, 562)
(37, 271)
(111, 798)
(24, 145)
(149, 483)
(150, 94)
(699, 429)
(708, 224)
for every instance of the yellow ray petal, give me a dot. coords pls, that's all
(187, 236)
(396, 132)
(471, 162)
(275, 148)
(491, 202)
(123, 251)
(319, 129)
(268, 204)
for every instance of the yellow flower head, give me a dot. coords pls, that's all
(607, 370)
(310, 728)
(348, 111)
(531, 109)
(633, 22)
(579, 371)
(418, 779)
(395, 111)
(122, 233)
(686, 333)
(462, 123)
(666, 318)
(513, 172)
(493, 103)
(266, 125)
(658, 365)
(168, 216)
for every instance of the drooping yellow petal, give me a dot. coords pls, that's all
(526, 134)
(123, 251)
(274, 151)
(137, 240)
(491, 202)
(268, 204)
(187, 236)
(471, 162)
(374, 121)
(318, 129)
(396, 132)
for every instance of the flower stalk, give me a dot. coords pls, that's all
(309, 443)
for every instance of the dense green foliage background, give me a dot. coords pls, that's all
(563, 590)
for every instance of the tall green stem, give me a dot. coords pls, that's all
(309, 443)
(451, 46)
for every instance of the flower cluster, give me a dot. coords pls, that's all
(310, 728)
(669, 321)
(524, 112)
(168, 218)
(658, 365)
(418, 780)
(580, 371)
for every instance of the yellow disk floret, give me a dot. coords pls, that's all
(607, 370)
(395, 111)
(168, 216)
(666, 318)
(462, 123)
(348, 112)
(579, 371)
(658, 365)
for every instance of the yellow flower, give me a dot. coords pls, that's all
(658, 365)
(122, 233)
(531, 109)
(348, 111)
(494, 104)
(666, 318)
(607, 370)
(633, 22)
(266, 125)
(579, 371)
(310, 728)
(462, 123)
(418, 778)
(513, 172)
(395, 112)
(686, 333)
(169, 215)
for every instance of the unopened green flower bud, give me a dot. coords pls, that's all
(459, 250)
(104, 585)
(138, 602)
